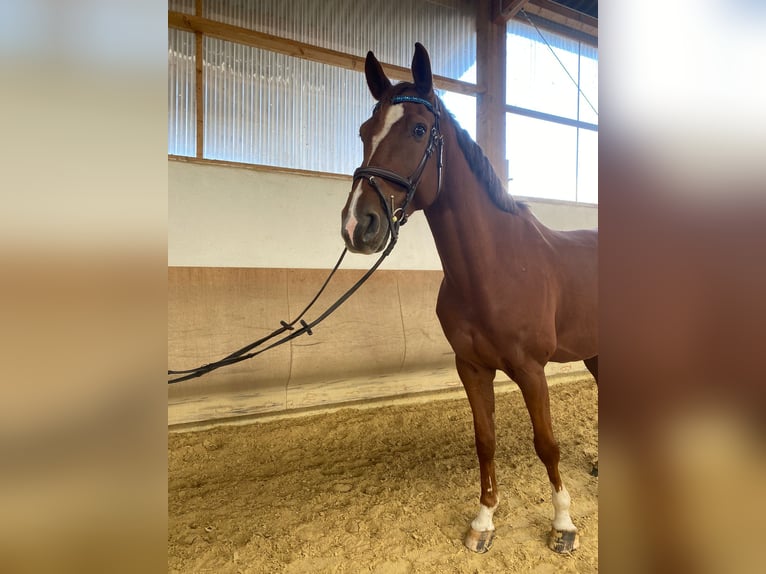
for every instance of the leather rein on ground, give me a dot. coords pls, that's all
(394, 223)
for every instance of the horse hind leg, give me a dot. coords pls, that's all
(478, 384)
(563, 537)
(592, 365)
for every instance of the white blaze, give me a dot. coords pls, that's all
(350, 224)
(393, 115)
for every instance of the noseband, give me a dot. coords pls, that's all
(410, 183)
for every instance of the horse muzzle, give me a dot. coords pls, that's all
(367, 234)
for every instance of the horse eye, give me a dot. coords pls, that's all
(419, 130)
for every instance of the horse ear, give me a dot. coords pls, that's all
(421, 70)
(376, 77)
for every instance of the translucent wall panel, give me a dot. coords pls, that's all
(185, 6)
(447, 28)
(266, 108)
(535, 80)
(587, 167)
(542, 158)
(182, 126)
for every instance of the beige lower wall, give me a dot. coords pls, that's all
(250, 248)
(385, 341)
(386, 332)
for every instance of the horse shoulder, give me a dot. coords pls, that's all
(496, 334)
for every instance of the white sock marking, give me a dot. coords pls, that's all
(483, 521)
(561, 501)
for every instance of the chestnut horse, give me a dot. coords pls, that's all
(515, 294)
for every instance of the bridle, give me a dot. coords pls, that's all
(410, 184)
(289, 331)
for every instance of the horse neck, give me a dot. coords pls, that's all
(468, 229)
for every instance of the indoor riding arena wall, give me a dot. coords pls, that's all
(249, 247)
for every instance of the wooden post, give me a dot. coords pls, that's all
(199, 83)
(490, 73)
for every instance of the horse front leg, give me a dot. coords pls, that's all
(478, 384)
(534, 387)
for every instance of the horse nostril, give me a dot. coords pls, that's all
(373, 226)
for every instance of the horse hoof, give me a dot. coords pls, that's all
(563, 542)
(479, 542)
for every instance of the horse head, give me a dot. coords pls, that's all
(398, 175)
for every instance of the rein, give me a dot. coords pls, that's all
(394, 222)
(243, 354)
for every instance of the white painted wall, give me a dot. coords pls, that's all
(224, 216)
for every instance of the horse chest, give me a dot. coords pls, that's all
(476, 338)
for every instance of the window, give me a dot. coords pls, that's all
(551, 125)
(463, 106)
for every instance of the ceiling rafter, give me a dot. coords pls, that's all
(548, 10)
(507, 9)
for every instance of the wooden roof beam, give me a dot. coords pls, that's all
(564, 16)
(296, 49)
(508, 9)
(547, 10)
